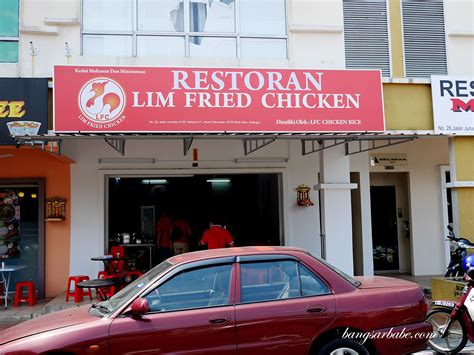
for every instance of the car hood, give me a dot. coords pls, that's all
(382, 282)
(52, 321)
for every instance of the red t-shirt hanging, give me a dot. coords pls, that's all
(216, 237)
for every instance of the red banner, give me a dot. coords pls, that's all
(151, 99)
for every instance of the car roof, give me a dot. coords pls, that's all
(235, 251)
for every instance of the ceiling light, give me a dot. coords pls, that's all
(222, 181)
(126, 161)
(154, 181)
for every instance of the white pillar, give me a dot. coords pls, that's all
(336, 218)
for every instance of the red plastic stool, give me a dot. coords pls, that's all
(31, 293)
(78, 293)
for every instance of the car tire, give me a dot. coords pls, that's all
(343, 346)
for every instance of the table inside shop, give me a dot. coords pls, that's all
(6, 273)
(150, 247)
(111, 262)
(100, 285)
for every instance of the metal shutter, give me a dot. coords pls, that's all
(424, 37)
(366, 35)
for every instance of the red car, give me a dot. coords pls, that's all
(252, 300)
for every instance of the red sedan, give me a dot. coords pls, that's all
(253, 300)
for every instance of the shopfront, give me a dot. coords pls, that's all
(24, 180)
(181, 128)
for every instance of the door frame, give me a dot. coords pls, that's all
(444, 212)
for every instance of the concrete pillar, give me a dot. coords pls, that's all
(462, 183)
(336, 218)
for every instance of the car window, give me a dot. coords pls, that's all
(276, 280)
(135, 287)
(196, 288)
(311, 285)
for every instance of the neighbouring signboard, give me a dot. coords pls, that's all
(453, 104)
(388, 159)
(156, 99)
(23, 108)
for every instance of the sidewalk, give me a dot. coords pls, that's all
(13, 315)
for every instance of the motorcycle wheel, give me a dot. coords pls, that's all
(455, 338)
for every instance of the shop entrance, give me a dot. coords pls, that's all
(21, 232)
(391, 232)
(247, 204)
(384, 227)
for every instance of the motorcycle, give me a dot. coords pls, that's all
(460, 245)
(452, 321)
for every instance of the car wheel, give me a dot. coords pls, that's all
(455, 338)
(343, 347)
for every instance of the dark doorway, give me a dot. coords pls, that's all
(22, 230)
(247, 204)
(384, 227)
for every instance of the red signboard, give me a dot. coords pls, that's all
(152, 99)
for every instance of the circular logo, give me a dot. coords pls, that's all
(102, 100)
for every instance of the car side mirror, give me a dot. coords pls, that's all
(140, 306)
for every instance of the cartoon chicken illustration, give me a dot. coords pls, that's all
(101, 104)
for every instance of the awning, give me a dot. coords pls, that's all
(310, 142)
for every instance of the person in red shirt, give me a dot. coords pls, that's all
(181, 244)
(163, 232)
(216, 237)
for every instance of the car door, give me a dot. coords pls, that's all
(192, 312)
(281, 306)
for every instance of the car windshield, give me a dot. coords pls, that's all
(121, 297)
(346, 277)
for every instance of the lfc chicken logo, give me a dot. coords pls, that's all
(102, 100)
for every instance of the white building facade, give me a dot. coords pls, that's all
(266, 34)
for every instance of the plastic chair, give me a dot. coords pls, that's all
(110, 291)
(30, 297)
(77, 292)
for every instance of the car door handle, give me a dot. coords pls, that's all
(213, 319)
(316, 309)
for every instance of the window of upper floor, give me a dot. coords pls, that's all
(185, 28)
(367, 34)
(424, 38)
(9, 36)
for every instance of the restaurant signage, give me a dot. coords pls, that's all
(156, 99)
(453, 104)
(23, 108)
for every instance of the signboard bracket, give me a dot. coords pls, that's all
(372, 145)
(118, 144)
(48, 145)
(253, 144)
(318, 145)
(187, 142)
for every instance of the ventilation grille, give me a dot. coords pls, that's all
(366, 35)
(424, 38)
